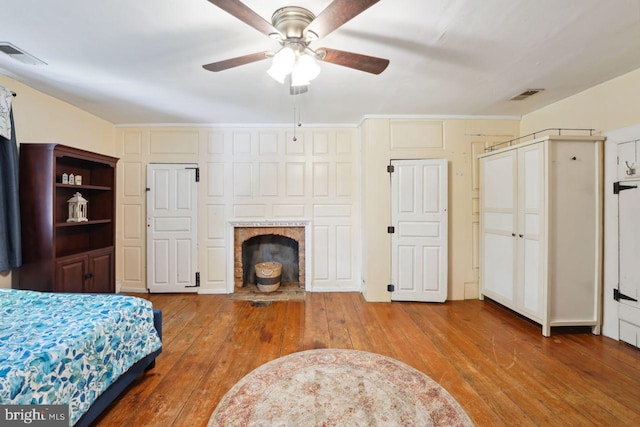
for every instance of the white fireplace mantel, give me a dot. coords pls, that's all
(270, 223)
(306, 223)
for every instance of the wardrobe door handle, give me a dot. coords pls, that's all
(521, 235)
(513, 234)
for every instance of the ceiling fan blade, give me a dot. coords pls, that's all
(369, 64)
(236, 62)
(336, 14)
(246, 15)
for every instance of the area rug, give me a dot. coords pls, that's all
(286, 292)
(332, 387)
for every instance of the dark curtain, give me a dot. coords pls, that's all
(10, 241)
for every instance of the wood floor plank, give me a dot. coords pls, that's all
(357, 332)
(499, 391)
(173, 393)
(316, 333)
(293, 333)
(436, 364)
(338, 332)
(503, 357)
(581, 384)
(380, 342)
(518, 355)
(207, 392)
(168, 397)
(496, 364)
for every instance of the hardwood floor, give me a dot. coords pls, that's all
(495, 363)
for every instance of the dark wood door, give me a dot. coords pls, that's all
(71, 274)
(101, 272)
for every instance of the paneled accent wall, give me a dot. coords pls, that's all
(247, 174)
(457, 140)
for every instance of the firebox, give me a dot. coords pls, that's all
(286, 242)
(270, 247)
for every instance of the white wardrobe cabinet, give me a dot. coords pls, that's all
(541, 230)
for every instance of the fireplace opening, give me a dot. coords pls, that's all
(289, 234)
(270, 247)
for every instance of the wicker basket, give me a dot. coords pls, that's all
(268, 274)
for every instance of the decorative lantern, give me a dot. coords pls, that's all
(77, 208)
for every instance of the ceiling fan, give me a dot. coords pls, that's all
(295, 28)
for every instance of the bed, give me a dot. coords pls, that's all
(77, 349)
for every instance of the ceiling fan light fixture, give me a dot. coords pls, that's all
(308, 66)
(282, 64)
(302, 66)
(298, 79)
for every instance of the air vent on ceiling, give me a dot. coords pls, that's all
(526, 94)
(19, 54)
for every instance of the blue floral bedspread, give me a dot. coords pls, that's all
(68, 348)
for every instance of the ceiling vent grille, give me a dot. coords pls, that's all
(19, 54)
(526, 94)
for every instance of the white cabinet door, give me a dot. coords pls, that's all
(419, 210)
(498, 187)
(530, 226)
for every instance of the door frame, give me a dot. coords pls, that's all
(196, 255)
(444, 202)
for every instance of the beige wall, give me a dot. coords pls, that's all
(459, 141)
(41, 118)
(610, 105)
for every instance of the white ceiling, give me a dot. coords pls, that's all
(140, 61)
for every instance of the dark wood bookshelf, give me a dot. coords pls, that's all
(61, 256)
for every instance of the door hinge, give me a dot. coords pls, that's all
(391, 229)
(391, 288)
(617, 295)
(197, 285)
(617, 187)
(391, 169)
(197, 173)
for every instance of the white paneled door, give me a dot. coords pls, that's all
(628, 292)
(419, 210)
(172, 256)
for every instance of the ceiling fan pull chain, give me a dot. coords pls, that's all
(294, 124)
